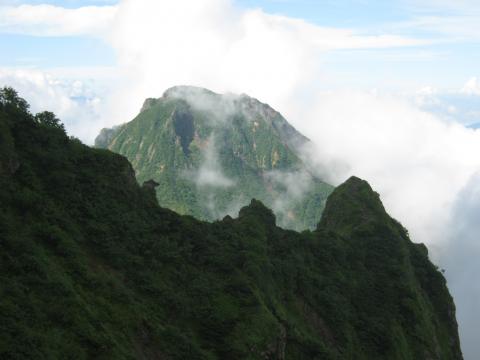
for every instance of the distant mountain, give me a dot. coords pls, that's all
(211, 154)
(92, 268)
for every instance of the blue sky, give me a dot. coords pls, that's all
(55, 51)
(27, 50)
(324, 12)
(352, 13)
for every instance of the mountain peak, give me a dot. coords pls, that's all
(257, 210)
(192, 136)
(191, 94)
(184, 91)
(148, 103)
(352, 203)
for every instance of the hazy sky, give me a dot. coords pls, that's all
(387, 90)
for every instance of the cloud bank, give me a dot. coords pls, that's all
(417, 161)
(214, 44)
(73, 101)
(461, 260)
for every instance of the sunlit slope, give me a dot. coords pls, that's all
(212, 153)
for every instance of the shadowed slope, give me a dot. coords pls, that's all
(91, 267)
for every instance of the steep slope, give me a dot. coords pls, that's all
(91, 267)
(212, 153)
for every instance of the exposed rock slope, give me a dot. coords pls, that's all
(212, 153)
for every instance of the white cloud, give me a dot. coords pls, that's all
(214, 44)
(50, 20)
(76, 103)
(461, 261)
(472, 87)
(210, 175)
(294, 184)
(417, 161)
(461, 105)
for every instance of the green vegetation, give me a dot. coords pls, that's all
(92, 268)
(212, 153)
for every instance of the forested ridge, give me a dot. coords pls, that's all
(92, 268)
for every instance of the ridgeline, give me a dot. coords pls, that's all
(92, 268)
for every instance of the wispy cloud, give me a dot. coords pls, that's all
(50, 20)
(447, 28)
(443, 6)
(445, 20)
(472, 87)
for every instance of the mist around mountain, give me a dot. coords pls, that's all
(92, 267)
(212, 153)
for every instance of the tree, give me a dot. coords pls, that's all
(9, 97)
(49, 119)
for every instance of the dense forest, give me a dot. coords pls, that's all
(92, 268)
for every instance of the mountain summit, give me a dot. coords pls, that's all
(211, 154)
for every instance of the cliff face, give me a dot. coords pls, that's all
(92, 267)
(212, 153)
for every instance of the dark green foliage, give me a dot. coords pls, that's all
(49, 119)
(92, 268)
(9, 100)
(192, 132)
